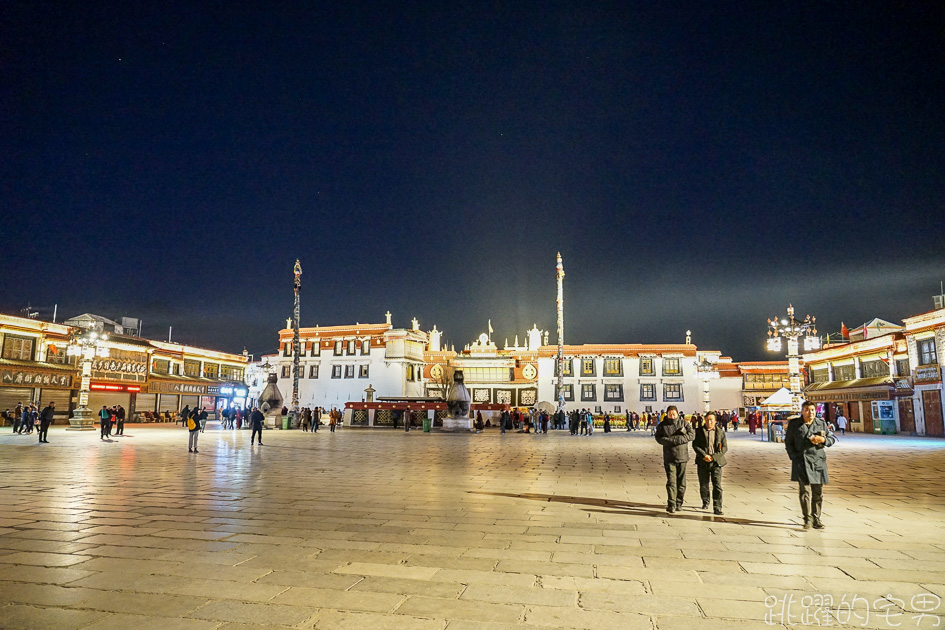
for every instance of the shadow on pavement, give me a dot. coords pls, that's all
(637, 509)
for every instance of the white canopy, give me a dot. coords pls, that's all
(778, 401)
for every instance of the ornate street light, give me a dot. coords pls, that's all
(708, 371)
(793, 329)
(87, 344)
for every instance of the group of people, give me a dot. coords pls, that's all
(109, 417)
(27, 417)
(806, 438)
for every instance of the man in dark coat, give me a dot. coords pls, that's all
(256, 423)
(710, 446)
(806, 439)
(120, 420)
(45, 419)
(674, 434)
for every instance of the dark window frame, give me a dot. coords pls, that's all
(652, 370)
(643, 394)
(313, 370)
(592, 371)
(928, 353)
(666, 391)
(610, 387)
(336, 370)
(593, 394)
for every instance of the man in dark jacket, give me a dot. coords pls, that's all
(119, 420)
(806, 440)
(45, 419)
(710, 446)
(674, 434)
(256, 422)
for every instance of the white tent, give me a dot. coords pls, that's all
(778, 401)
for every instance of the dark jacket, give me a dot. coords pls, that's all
(46, 416)
(808, 460)
(701, 446)
(256, 418)
(675, 437)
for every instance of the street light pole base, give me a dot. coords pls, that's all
(81, 420)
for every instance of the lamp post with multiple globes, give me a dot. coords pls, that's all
(793, 329)
(87, 345)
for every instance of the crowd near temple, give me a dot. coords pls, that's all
(883, 377)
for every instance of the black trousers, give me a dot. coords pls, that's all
(121, 427)
(43, 430)
(675, 483)
(256, 431)
(104, 426)
(710, 473)
(812, 499)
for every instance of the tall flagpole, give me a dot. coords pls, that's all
(560, 276)
(297, 284)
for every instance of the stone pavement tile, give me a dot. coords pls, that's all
(267, 540)
(671, 622)
(724, 554)
(597, 558)
(484, 577)
(219, 589)
(450, 562)
(41, 575)
(42, 546)
(644, 574)
(388, 570)
(446, 590)
(136, 582)
(268, 563)
(509, 554)
(141, 603)
(520, 595)
(341, 556)
(686, 564)
(327, 619)
(732, 609)
(435, 607)
(229, 558)
(48, 534)
(263, 614)
(645, 604)
(557, 617)
(142, 622)
(545, 568)
(871, 590)
(336, 581)
(571, 583)
(759, 580)
(878, 574)
(433, 550)
(18, 616)
(44, 559)
(531, 545)
(233, 625)
(364, 601)
(42, 594)
(113, 551)
(192, 535)
(793, 569)
(831, 561)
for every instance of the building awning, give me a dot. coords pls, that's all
(877, 388)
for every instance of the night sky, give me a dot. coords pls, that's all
(698, 166)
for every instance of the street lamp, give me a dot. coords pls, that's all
(708, 371)
(87, 344)
(793, 329)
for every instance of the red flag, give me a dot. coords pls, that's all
(844, 331)
(864, 331)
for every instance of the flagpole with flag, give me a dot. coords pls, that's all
(490, 330)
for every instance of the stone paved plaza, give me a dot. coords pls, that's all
(381, 529)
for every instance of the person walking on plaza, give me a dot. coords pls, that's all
(103, 417)
(193, 431)
(333, 420)
(674, 434)
(806, 440)
(184, 415)
(17, 417)
(841, 423)
(202, 419)
(45, 419)
(120, 420)
(710, 446)
(256, 423)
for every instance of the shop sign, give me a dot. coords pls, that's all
(842, 396)
(119, 363)
(163, 387)
(903, 387)
(929, 374)
(25, 378)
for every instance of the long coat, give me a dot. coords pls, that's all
(700, 444)
(808, 460)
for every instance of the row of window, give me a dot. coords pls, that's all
(337, 371)
(614, 367)
(350, 347)
(614, 393)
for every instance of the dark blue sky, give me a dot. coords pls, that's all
(698, 166)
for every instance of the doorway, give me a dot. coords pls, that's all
(906, 416)
(932, 406)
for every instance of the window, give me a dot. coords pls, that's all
(617, 409)
(818, 376)
(926, 348)
(349, 371)
(287, 349)
(588, 391)
(336, 371)
(613, 367)
(873, 369)
(351, 346)
(646, 366)
(598, 410)
(844, 372)
(409, 372)
(17, 348)
(613, 392)
(671, 367)
(362, 371)
(647, 391)
(316, 348)
(211, 370)
(366, 346)
(339, 348)
(587, 367)
(285, 371)
(489, 374)
(59, 357)
(192, 368)
(568, 392)
(313, 371)
(231, 373)
(672, 391)
(161, 366)
(568, 366)
(902, 366)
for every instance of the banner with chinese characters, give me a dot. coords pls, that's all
(27, 378)
(121, 365)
